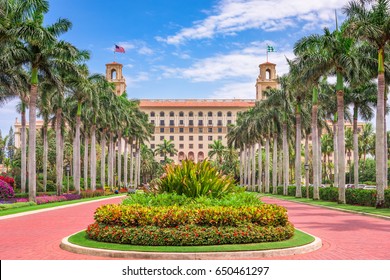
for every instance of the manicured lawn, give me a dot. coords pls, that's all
(48, 205)
(355, 208)
(298, 239)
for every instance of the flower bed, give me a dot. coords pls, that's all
(8, 180)
(6, 191)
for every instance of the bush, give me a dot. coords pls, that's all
(329, 194)
(15, 205)
(6, 191)
(360, 197)
(9, 180)
(195, 179)
(189, 235)
(96, 193)
(172, 216)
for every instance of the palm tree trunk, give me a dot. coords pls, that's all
(260, 168)
(285, 160)
(119, 160)
(103, 161)
(298, 137)
(253, 167)
(23, 150)
(59, 151)
(131, 164)
(45, 156)
(266, 176)
(93, 158)
(32, 172)
(125, 183)
(245, 165)
(280, 166)
(136, 165)
(86, 140)
(275, 165)
(314, 134)
(380, 136)
(307, 164)
(139, 164)
(110, 162)
(335, 153)
(355, 149)
(241, 167)
(340, 137)
(319, 157)
(77, 161)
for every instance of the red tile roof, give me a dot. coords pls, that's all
(204, 103)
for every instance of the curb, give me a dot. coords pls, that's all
(334, 208)
(55, 208)
(315, 245)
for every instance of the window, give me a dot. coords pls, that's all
(210, 122)
(171, 122)
(161, 154)
(152, 121)
(181, 138)
(191, 122)
(181, 130)
(171, 130)
(210, 138)
(200, 146)
(191, 146)
(200, 129)
(190, 114)
(153, 138)
(162, 114)
(191, 138)
(171, 114)
(229, 121)
(181, 146)
(152, 146)
(200, 137)
(229, 114)
(200, 114)
(152, 114)
(162, 123)
(219, 129)
(181, 122)
(219, 114)
(181, 114)
(200, 122)
(161, 138)
(219, 122)
(210, 114)
(171, 154)
(161, 130)
(172, 138)
(191, 129)
(210, 130)
(219, 137)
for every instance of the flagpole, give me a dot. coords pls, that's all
(267, 54)
(114, 55)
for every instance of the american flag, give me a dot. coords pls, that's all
(119, 49)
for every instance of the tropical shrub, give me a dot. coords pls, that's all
(9, 180)
(360, 197)
(195, 179)
(188, 235)
(329, 194)
(6, 191)
(96, 193)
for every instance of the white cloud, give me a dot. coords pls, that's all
(132, 81)
(237, 65)
(235, 91)
(231, 16)
(139, 46)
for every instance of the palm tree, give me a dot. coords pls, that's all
(165, 148)
(370, 21)
(217, 149)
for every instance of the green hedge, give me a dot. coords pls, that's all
(189, 235)
(352, 196)
(15, 205)
(172, 216)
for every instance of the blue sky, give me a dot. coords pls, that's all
(188, 48)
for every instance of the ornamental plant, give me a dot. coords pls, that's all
(195, 180)
(6, 191)
(8, 180)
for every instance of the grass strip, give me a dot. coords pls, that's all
(299, 239)
(355, 208)
(48, 205)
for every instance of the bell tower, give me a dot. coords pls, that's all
(267, 79)
(114, 75)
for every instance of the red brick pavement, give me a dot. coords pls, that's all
(345, 236)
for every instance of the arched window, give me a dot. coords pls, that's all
(113, 74)
(200, 156)
(152, 114)
(162, 114)
(219, 114)
(210, 114)
(191, 156)
(200, 114)
(268, 74)
(229, 114)
(181, 156)
(191, 114)
(181, 114)
(171, 114)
